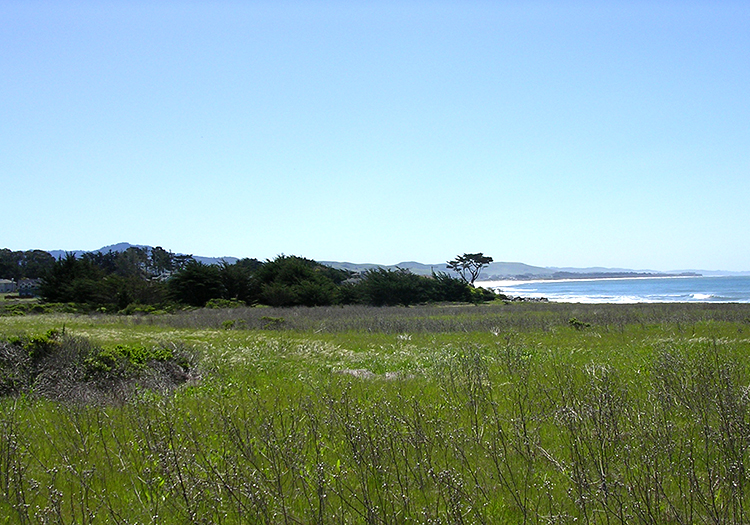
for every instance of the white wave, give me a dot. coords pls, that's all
(629, 290)
(512, 282)
(599, 299)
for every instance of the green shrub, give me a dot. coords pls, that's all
(578, 325)
(225, 303)
(272, 323)
(234, 324)
(125, 359)
(59, 366)
(482, 295)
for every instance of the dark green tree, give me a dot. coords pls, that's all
(296, 281)
(35, 263)
(180, 261)
(31, 264)
(446, 288)
(132, 262)
(196, 284)
(72, 280)
(237, 280)
(161, 262)
(124, 279)
(10, 264)
(107, 262)
(386, 287)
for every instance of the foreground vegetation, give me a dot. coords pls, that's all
(501, 413)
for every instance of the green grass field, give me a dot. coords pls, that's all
(501, 413)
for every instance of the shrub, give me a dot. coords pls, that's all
(225, 303)
(578, 325)
(59, 366)
(124, 359)
(272, 323)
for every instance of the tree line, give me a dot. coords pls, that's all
(31, 264)
(156, 277)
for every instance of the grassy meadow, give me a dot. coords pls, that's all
(501, 413)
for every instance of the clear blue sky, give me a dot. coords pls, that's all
(552, 133)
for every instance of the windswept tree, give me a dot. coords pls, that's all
(469, 265)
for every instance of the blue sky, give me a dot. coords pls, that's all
(552, 133)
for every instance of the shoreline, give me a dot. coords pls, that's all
(514, 282)
(628, 290)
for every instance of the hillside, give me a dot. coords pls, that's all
(495, 271)
(122, 246)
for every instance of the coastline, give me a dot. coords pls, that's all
(655, 289)
(514, 282)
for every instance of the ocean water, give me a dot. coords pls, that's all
(631, 290)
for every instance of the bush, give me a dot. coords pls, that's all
(225, 303)
(59, 366)
(124, 360)
(483, 295)
(578, 325)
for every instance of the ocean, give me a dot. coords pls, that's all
(631, 290)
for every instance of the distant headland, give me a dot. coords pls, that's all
(493, 272)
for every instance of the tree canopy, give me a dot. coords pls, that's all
(125, 281)
(30, 264)
(469, 265)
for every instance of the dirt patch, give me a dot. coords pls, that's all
(364, 373)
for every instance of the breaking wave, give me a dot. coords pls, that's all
(631, 290)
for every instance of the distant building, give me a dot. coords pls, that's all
(28, 287)
(7, 286)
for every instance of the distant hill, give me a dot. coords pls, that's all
(498, 271)
(494, 272)
(122, 246)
